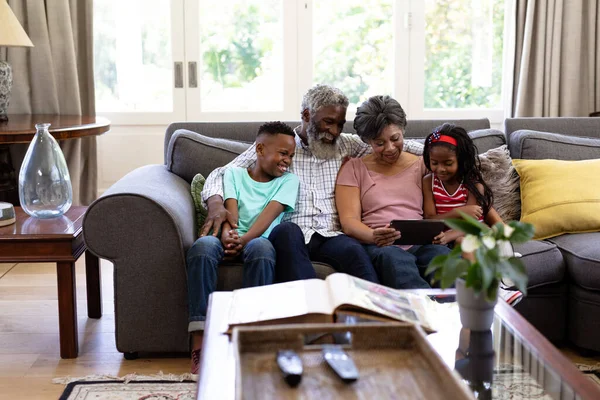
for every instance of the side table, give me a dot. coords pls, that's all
(20, 128)
(58, 240)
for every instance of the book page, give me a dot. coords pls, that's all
(278, 301)
(397, 304)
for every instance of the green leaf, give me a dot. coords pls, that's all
(514, 269)
(482, 227)
(492, 291)
(463, 226)
(474, 277)
(487, 267)
(436, 263)
(523, 231)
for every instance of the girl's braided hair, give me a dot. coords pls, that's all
(469, 170)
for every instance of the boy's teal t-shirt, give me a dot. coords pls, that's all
(253, 197)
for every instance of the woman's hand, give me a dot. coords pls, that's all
(385, 236)
(232, 242)
(473, 210)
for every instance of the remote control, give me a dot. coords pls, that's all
(290, 365)
(340, 362)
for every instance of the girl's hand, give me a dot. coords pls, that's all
(473, 210)
(385, 236)
(442, 238)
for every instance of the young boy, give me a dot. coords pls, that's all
(257, 197)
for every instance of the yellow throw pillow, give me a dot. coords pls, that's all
(560, 196)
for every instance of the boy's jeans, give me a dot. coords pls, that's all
(203, 260)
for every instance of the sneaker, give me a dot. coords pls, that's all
(196, 361)
(511, 296)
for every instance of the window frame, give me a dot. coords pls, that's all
(408, 86)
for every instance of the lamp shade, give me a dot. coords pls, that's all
(11, 32)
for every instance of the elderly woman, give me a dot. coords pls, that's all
(373, 190)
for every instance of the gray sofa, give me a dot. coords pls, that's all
(145, 224)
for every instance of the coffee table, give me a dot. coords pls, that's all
(58, 240)
(514, 355)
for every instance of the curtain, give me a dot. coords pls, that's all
(56, 77)
(557, 59)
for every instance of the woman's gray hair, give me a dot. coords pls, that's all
(376, 113)
(320, 96)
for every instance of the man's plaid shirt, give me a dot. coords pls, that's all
(315, 209)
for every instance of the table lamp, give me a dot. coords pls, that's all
(11, 34)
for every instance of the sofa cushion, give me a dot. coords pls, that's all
(486, 139)
(582, 256)
(500, 175)
(543, 261)
(535, 145)
(190, 153)
(558, 196)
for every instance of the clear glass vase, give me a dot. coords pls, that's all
(44, 183)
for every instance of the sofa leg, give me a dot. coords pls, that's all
(133, 355)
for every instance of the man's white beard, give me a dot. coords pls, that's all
(317, 147)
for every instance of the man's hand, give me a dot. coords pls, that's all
(473, 210)
(217, 214)
(385, 236)
(232, 243)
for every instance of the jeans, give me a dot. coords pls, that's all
(203, 260)
(403, 269)
(342, 252)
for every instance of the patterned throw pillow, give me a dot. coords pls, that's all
(197, 186)
(502, 178)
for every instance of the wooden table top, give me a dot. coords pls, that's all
(217, 374)
(27, 228)
(20, 128)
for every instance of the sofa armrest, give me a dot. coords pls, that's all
(150, 204)
(144, 224)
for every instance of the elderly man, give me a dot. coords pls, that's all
(312, 231)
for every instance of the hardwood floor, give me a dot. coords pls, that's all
(29, 349)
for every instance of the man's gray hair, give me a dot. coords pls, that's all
(320, 96)
(376, 113)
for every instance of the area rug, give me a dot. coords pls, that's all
(591, 371)
(130, 387)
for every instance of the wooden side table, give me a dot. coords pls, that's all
(20, 128)
(58, 240)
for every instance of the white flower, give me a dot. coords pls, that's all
(489, 242)
(470, 243)
(508, 230)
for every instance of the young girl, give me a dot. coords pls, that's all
(455, 184)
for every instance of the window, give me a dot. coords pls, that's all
(157, 61)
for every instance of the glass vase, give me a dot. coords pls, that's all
(45, 189)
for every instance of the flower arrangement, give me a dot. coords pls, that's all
(483, 257)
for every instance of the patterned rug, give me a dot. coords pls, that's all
(130, 387)
(591, 371)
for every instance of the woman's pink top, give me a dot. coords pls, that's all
(384, 198)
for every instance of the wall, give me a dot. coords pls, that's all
(125, 148)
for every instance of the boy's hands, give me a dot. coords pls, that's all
(232, 242)
(385, 236)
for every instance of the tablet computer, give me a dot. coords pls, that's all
(418, 231)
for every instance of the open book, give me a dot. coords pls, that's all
(317, 300)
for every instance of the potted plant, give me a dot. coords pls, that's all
(478, 264)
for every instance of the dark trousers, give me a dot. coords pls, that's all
(293, 256)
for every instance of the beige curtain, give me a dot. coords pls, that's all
(56, 77)
(557, 58)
